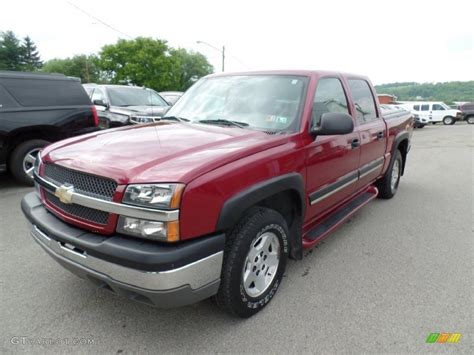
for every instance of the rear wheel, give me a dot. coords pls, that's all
(23, 158)
(388, 184)
(254, 262)
(470, 119)
(448, 120)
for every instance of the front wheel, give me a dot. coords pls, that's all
(254, 262)
(448, 120)
(388, 184)
(470, 120)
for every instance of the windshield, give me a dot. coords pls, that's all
(261, 102)
(132, 96)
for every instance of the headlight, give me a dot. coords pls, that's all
(142, 119)
(152, 230)
(118, 117)
(167, 196)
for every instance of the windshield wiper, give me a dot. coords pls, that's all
(174, 118)
(225, 122)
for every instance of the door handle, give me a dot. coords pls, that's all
(380, 135)
(355, 143)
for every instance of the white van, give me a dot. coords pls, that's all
(434, 111)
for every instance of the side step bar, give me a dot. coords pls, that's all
(338, 217)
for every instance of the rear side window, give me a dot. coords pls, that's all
(416, 107)
(425, 107)
(363, 100)
(329, 97)
(44, 92)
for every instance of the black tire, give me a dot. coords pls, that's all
(448, 121)
(470, 119)
(386, 189)
(232, 295)
(16, 162)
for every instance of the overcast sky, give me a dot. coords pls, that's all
(390, 41)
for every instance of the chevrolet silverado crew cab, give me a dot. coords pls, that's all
(244, 172)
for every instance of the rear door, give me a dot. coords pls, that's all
(332, 160)
(372, 130)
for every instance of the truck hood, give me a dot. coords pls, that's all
(160, 152)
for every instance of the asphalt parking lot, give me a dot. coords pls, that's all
(397, 271)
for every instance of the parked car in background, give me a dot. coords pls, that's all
(171, 96)
(244, 172)
(36, 109)
(467, 112)
(433, 111)
(388, 109)
(119, 105)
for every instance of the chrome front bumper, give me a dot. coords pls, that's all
(171, 288)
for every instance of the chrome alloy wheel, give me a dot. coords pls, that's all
(29, 161)
(395, 174)
(261, 264)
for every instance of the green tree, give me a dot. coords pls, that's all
(80, 66)
(151, 63)
(187, 68)
(30, 57)
(10, 52)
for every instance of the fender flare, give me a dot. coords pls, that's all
(396, 142)
(235, 206)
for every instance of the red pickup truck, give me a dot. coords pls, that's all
(244, 172)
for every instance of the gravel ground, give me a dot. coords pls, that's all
(397, 271)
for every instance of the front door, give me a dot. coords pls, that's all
(437, 112)
(332, 160)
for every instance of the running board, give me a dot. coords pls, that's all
(338, 217)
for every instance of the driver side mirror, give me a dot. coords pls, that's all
(100, 103)
(334, 123)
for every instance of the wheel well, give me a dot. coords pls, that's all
(288, 203)
(403, 148)
(20, 137)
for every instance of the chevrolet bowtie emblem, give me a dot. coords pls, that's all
(64, 193)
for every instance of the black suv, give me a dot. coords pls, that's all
(119, 105)
(35, 109)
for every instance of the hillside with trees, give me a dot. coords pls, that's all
(448, 91)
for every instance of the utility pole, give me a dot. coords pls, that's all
(222, 51)
(223, 57)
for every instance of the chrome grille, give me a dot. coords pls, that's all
(86, 184)
(86, 213)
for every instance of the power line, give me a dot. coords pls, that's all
(98, 20)
(238, 60)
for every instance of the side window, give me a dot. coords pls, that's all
(416, 107)
(425, 107)
(438, 107)
(98, 95)
(363, 100)
(329, 97)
